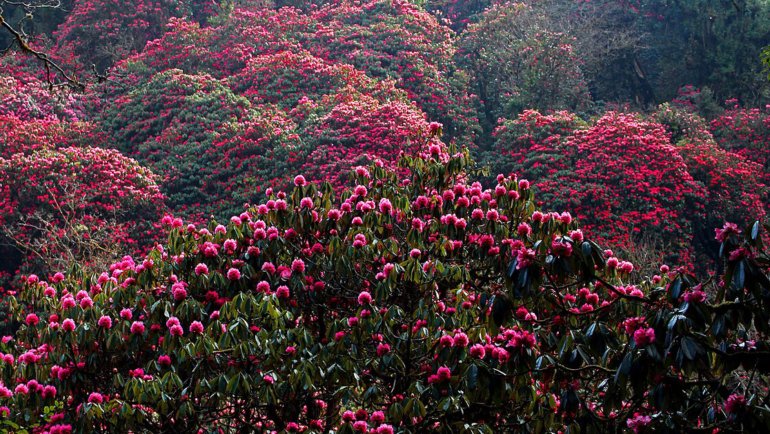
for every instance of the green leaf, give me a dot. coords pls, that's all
(739, 278)
(625, 367)
(690, 348)
(675, 289)
(472, 376)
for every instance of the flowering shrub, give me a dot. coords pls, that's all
(218, 50)
(209, 145)
(217, 150)
(344, 115)
(745, 131)
(401, 41)
(34, 116)
(620, 176)
(412, 304)
(616, 175)
(84, 205)
(733, 186)
(360, 129)
(288, 77)
(27, 136)
(100, 32)
(32, 99)
(386, 41)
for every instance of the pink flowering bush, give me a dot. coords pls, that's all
(29, 98)
(734, 187)
(401, 41)
(67, 205)
(293, 77)
(27, 136)
(415, 302)
(277, 109)
(358, 130)
(212, 148)
(397, 43)
(217, 150)
(100, 32)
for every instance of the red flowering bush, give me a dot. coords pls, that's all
(733, 186)
(621, 175)
(398, 40)
(617, 176)
(411, 304)
(34, 116)
(288, 77)
(206, 143)
(67, 205)
(344, 116)
(745, 131)
(387, 41)
(217, 150)
(27, 136)
(171, 99)
(357, 130)
(220, 50)
(100, 32)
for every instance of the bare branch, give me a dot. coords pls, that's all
(23, 44)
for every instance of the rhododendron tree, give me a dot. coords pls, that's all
(29, 98)
(621, 175)
(288, 77)
(344, 116)
(99, 32)
(733, 186)
(398, 40)
(67, 205)
(385, 40)
(219, 50)
(26, 136)
(625, 166)
(358, 130)
(416, 302)
(34, 115)
(217, 150)
(54, 211)
(745, 131)
(206, 142)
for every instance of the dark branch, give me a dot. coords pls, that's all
(24, 46)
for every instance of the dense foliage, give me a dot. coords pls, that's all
(265, 216)
(85, 205)
(630, 183)
(621, 175)
(217, 149)
(744, 131)
(430, 305)
(516, 63)
(99, 32)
